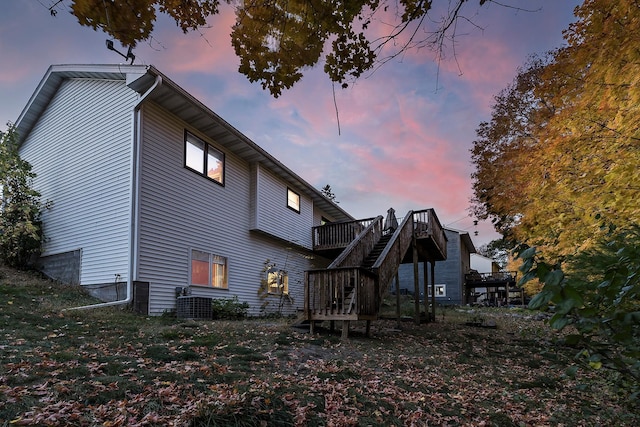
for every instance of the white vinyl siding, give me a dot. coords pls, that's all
(272, 215)
(81, 152)
(180, 211)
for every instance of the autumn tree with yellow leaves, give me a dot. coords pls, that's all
(560, 155)
(557, 171)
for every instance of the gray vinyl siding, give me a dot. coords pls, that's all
(448, 272)
(271, 214)
(81, 152)
(181, 210)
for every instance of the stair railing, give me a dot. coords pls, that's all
(391, 257)
(338, 292)
(359, 248)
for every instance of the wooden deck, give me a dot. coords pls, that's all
(352, 287)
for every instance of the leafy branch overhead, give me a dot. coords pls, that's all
(276, 41)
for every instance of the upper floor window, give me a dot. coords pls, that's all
(293, 200)
(203, 158)
(208, 270)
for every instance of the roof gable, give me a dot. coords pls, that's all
(176, 100)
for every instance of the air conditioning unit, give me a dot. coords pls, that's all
(197, 308)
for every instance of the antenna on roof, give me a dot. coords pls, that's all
(128, 56)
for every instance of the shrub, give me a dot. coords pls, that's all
(597, 293)
(229, 309)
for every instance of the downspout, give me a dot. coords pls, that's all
(133, 226)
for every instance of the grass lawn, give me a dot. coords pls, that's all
(110, 367)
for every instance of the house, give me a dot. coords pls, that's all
(154, 197)
(158, 202)
(449, 274)
(483, 264)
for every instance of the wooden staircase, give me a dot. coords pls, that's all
(378, 248)
(353, 285)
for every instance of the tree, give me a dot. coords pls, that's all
(500, 154)
(20, 226)
(561, 149)
(276, 41)
(328, 193)
(497, 250)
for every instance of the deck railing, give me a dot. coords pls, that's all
(340, 293)
(336, 235)
(427, 224)
(498, 276)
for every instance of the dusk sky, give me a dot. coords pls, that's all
(405, 130)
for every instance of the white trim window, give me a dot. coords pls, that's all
(278, 282)
(293, 200)
(208, 270)
(203, 158)
(441, 290)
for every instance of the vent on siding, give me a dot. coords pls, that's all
(197, 308)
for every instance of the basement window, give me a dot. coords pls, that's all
(278, 282)
(203, 158)
(208, 270)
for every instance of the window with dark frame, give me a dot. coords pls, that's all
(293, 200)
(203, 158)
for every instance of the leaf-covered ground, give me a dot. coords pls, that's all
(110, 367)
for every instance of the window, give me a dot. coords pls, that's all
(203, 158)
(208, 270)
(293, 200)
(441, 290)
(278, 282)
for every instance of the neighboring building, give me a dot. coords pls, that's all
(154, 195)
(483, 264)
(449, 274)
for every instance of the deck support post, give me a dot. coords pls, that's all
(398, 297)
(368, 330)
(433, 289)
(312, 327)
(345, 329)
(425, 273)
(416, 282)
(506, 301)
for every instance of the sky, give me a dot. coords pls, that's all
(399, 137)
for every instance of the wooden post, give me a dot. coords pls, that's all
(433, 290)
(507, 296)
(345, 329)
(398, 298)
(368, 331)
(312, 325)
(416, 282)
(425, 269)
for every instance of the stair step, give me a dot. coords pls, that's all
(376, 251)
